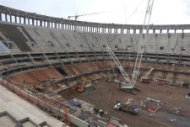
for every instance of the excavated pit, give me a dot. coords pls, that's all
(103, 94)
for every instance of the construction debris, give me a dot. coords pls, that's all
(130, 106)
(151, 105)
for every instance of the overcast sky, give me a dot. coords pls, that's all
(108, 11)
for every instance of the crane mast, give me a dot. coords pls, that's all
(130, 82)
(141, 43)
(121, 69)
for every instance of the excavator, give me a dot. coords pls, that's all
(79, 87)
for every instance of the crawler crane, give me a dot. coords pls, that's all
(129, 83)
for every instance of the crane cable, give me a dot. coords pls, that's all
(141, 43)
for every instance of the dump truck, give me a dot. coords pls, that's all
(129, 107)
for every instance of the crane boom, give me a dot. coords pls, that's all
(130, 83)
(76, 16)
(141, 43)
(121, 69)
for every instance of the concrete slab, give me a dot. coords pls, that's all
(28, 124)
(5, 121)
(19, 109)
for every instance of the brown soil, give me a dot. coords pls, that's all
(35, 76)
(105, 94)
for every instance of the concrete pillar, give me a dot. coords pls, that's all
(10, 18)
(114, 30)
(44, 23)
(175, 30)
(6, 17)
(122, 30)
(0, 16)
(154, 30)
(37, 22)
(160, 31)
(33, 22)
(41, 23)
(98, 29)
(15, 19)
(140, 31)
(20, 20)
(108, 30)
(128, 31)
(105, 30)
(168, 31)
(48, 24)
(24, 20)
(134, 31)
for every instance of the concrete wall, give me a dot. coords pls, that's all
(175, 43)
(42, 39)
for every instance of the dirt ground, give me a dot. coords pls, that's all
(35, 76)
(105, 94)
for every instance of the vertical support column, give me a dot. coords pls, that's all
(24, 20)
(122, 30)
(48, 24)
(154, 30)
(0, 16)
(6, 17)
(15, 19)
(109, 30)
(41, 23)
(10, 18)
(160, 31)
(182, 31)
(128, 31)
(98, 29)
(175, 31)
(168, 31)
(140, 31)
(114, 30)
(20, 20)
(134, 31)
(91, 28)
(33, 22)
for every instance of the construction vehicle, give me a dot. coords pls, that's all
(146, 79)
(130, 107)
(129, 83)
(79, 87)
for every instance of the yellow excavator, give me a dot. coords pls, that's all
(80, 86)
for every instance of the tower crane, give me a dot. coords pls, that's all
(77, 16)
(129, 83)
